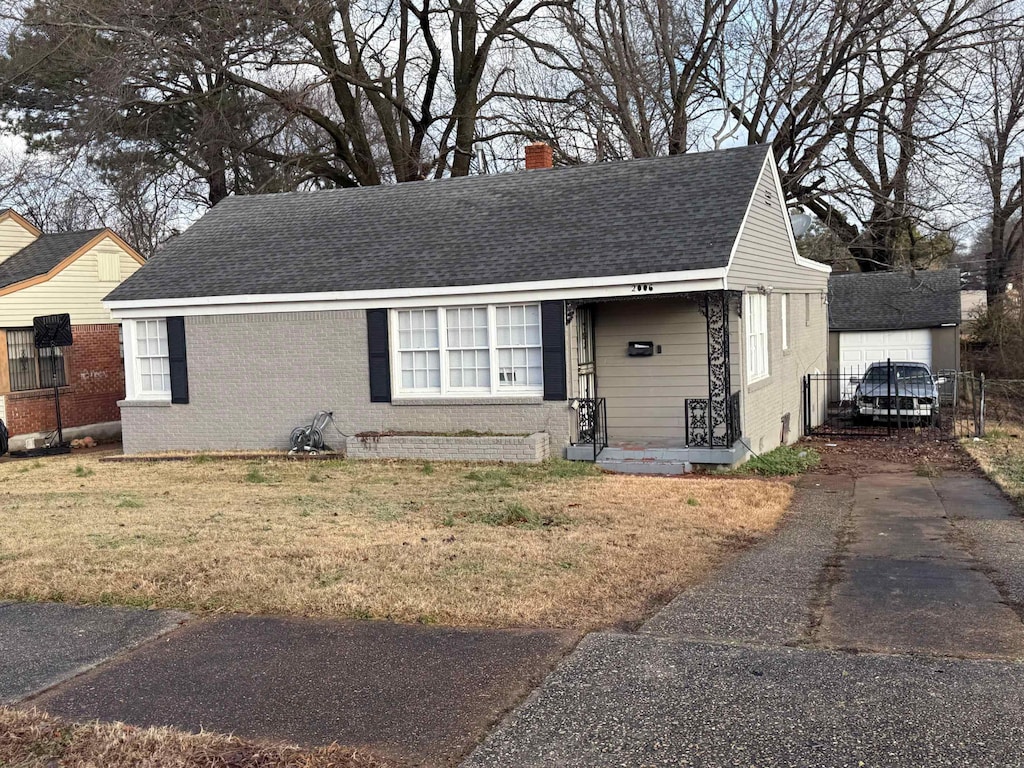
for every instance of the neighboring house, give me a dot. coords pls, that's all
(904, 316)
(972, 303)
(665, 292)
(44, 274)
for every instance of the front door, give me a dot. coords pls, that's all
(586, 369)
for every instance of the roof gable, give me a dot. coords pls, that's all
(879, 301)
(648, 216)
(47, 252)
(9, 214)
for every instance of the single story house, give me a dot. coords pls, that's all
(651, 310)
(906, 315)
(55, 273)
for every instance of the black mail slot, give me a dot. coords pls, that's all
(640, 349)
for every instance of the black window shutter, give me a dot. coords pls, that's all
(380, 357)
(178, 359)
(552, 336)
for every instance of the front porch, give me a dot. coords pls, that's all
(658, 382)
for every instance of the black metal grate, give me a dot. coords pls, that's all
(592, 423)
(32, 368)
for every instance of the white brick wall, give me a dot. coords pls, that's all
(765, 402)
(253, 378)
(526, 448)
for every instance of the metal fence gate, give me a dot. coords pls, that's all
(889, 397)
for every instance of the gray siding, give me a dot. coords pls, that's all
(645, 395)
(946, 348)
(253, 378)
(764, 254)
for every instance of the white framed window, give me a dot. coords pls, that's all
(151, 368)
(784, 316)
(419, 350)
(467, 351)
(755, 321)
(520, 357)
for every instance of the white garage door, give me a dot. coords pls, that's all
(857, 350)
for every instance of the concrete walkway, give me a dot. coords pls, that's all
(876, 628)
(42, 644)
(416, 695)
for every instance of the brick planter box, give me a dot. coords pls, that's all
(510, 448)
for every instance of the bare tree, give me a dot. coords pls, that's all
(1000, 135)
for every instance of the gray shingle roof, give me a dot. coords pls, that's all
(634, 217)
(879, 301)
(41, 256)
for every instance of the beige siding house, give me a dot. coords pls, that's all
(56, 273)
(650, 314)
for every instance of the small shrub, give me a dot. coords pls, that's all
(783, 461)
(427, 468)
(129, 502)
(202, 458)
(693, 502)
(81, 471)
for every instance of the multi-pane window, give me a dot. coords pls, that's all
(520, 362)
(32, 368)
(152, 366)
(468, 350)
(469, 356)
(755, 319)
(419, 349)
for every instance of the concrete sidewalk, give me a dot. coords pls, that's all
(43, 644)
(414, 694)
(739, 671)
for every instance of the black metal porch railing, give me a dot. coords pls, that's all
(698, 428)
(592, 423)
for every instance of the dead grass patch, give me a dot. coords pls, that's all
(1000, 454)
(548, 545)
(33, 739)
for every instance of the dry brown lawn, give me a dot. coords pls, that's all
(32, 739)
(549, 545)
(1001, 455)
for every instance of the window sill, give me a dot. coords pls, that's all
(762, 383)
(144, 403)
(469, 400)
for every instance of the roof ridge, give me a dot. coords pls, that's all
(601, 166)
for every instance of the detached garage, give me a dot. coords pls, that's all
(906, 316)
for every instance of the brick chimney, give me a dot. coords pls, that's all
(538, 155)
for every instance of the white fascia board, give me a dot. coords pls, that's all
(589, 288)
(799, 260)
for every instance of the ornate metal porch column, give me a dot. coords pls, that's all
(723, 407)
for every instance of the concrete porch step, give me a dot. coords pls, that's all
(644, 466)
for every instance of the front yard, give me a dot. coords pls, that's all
(554, 545)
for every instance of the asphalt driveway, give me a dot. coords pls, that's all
(880, 626)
